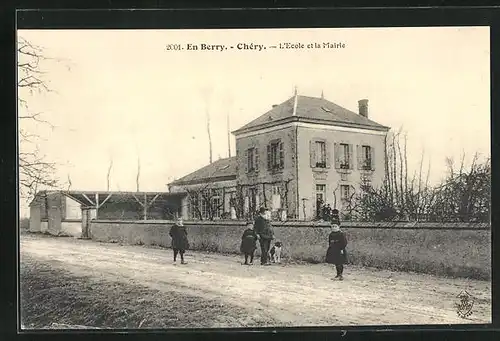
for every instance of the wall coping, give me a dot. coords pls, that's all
(313, 224)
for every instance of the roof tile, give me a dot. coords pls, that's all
(311, 108)
(220, 168)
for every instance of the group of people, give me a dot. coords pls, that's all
(325, 212)
(261, 230)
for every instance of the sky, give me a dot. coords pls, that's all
(120, 95)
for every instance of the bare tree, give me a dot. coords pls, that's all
(463, 196)
(138, 174)
(228, 104)
(202, 194)
(399, 197)
(207, 201)
(109, 173)
(35, 171)
(69, 183)
(209, 134)
(228, 137)
(206, 94)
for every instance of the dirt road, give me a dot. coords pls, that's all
(298, 295)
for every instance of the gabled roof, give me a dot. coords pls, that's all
(312, 110)
(220, 170)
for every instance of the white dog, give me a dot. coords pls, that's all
(275, 252)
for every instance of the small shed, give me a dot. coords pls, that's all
(69, 212)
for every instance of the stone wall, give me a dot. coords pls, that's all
(71, 228)
(462, 250)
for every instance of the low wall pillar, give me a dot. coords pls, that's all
(35, 219)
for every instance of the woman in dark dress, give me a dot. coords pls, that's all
(179, 240)
(336, 253)
(248, 243)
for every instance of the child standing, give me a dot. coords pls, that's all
(179, 240)
(248, 243)
(336, 253)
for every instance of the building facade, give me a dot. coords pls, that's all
(301, 154)
(211, 191)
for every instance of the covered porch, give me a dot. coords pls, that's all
(57, 211)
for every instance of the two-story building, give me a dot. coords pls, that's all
(301, 152)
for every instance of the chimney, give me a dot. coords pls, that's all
(363, 107)
(275, 105)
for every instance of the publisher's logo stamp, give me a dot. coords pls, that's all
(464, 306)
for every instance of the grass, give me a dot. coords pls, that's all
(54, 296)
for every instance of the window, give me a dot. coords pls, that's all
(211, 204)
(345, 192)
(205, 207)
(320, 154)
(320, 188)
(275, 155)
(216, 207)
(320, 192)
(344, 156)
(319, 151)
(252, 160)
(320, 198)
(366, 157)
(193, 207)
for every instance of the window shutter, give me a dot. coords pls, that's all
(269, 156)
(246, 161)
(246, 205)
(359, 154)
(312, 153)
(282, 156)
(256, 159)
(372, 150)
(328, 154)
(350, 156)
(336, 155)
